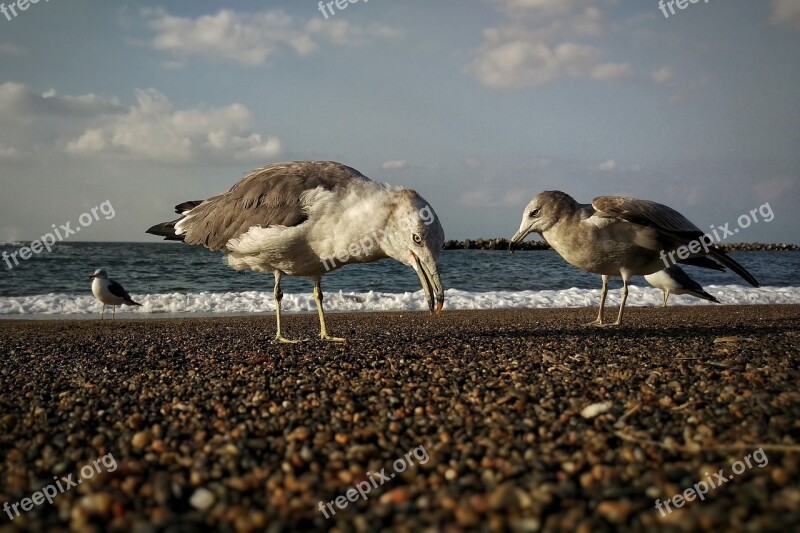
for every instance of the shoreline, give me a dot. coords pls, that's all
(612, 307)
(501, 244)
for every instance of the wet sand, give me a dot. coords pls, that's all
(529, 421)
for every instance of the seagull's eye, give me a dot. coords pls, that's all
(417, 239)
(534, 213)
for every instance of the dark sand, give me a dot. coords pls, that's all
(212, 414)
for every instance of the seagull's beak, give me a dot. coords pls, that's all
(91, 277)
(431, 284)
(518, 238)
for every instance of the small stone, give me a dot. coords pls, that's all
(301, 433)
(135, 421)
(780, 476)
(595, 409)
(97, 504)
(202, 499)
(395, 496)
(140, 440)
(616, 512)
(525, 525)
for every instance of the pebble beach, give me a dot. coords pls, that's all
(529, 421)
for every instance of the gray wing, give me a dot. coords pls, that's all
(672, 228)
(646, 213)
(269, 196)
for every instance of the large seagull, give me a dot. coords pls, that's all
(307, 218)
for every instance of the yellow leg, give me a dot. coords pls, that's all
(323, 330)
(666, 297)
(278, 293)
(102, 312)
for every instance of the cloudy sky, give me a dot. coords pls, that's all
(477, 104)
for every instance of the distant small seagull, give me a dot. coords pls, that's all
(307, 218)
(109, 292)
(616, 236)
(674, 280)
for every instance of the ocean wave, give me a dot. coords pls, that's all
(262, 302)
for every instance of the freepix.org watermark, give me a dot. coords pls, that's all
(60, 486)
(365, 245)
(718, 233)
(10, 10)
(672, 4)
(701, 488)
(341, 5)
(64, 231)
(363, 488)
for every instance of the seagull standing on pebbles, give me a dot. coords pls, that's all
(109, 292)
(307, 218)
(617, 236)
(674, 280)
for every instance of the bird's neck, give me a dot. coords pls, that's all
(361, 228)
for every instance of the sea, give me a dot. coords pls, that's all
(172, 279)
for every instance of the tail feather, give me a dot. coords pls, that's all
(729, 262)
(185, 207)
(131, 302)
(703, 295)
(166, 230)
(702, 262)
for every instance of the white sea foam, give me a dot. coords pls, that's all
(155, 305)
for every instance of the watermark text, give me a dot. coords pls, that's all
(718, 234)
(60, 486)
(363, 488)
(701, 488)
(64, 231)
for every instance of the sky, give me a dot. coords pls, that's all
(478, 105)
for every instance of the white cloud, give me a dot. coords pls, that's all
(153, 130)
(612, 71)
(252, 38)
(92, 141)
(606, 166)
(395, 165)
(533, 55)
(662, 75)
(786, 12)
(517, 63)
(255, 148)
(611, 165)
(18, 102)
(342, 32)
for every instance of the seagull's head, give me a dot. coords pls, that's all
(542, 213)
(99, 273)
(414, 236)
